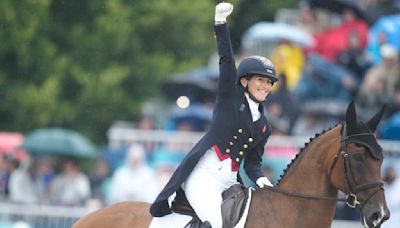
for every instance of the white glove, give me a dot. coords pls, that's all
(222, 11)
(263, 181)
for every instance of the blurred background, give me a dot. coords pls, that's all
(101, 100)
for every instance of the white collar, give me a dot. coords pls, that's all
(255, 113)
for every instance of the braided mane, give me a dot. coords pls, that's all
(301, 152)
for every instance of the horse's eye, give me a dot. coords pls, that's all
(358, 156)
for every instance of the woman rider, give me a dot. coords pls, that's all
(238, 133)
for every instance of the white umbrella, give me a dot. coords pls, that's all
(272, 31)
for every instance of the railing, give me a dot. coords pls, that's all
(39, 216)
(120, 138)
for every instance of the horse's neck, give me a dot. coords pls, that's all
(307, 175)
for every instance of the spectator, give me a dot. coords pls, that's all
(282, 107)
(330, 42)
(322, 79)
(373, 48)
(147, 123)
(353, 58)
(392, 190)
(24, 185)
(46, 175)
(99, 180)
(307, 19)
(71, 187)
(135, 180)
(4, 177)
(380, 81)
(311, 122)
(394, 107)
(289, 61)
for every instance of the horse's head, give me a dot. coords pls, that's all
(356, 169)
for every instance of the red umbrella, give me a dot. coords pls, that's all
(9, 144)
(329, 43)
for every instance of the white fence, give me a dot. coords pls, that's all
(14, 215)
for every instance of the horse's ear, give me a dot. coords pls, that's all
(351, 118)
(374, 121)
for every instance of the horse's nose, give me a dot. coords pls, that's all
(377, 218)
(386, 215)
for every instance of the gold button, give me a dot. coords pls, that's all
(241, 153)
(250, 139)
(235, 137)
(245, 146)
(237, 159)
(231, 143)
(227, 151)
(240, 130)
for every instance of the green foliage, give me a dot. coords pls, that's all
(84, 64)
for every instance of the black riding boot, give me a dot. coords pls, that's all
(205, 224)
(196, 223)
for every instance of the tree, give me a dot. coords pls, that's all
(82, 65)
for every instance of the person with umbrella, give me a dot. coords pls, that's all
(238, 133)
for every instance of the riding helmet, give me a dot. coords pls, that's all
(256, 65)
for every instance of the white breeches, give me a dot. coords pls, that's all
(205, 184)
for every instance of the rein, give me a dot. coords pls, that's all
(304, 196)
(351, 197)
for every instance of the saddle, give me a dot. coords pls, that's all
(233, 205)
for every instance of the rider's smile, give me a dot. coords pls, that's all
(259, 87)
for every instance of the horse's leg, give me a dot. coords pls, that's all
(120, 215)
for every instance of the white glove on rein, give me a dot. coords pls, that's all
(222, 11)
(263, 181)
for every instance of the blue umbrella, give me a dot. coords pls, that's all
(59, 142)
(390, 25)
(390, 129)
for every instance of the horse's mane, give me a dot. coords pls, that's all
(301, 152)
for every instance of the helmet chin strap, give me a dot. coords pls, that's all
(253, 98)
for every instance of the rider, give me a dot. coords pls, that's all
(238, 133)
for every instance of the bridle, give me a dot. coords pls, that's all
(354, 188)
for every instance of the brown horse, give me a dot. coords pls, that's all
(346, 158)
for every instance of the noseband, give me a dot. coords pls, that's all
(354, 188)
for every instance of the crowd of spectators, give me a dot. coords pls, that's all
(351, 59)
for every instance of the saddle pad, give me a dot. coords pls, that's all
(243, 219)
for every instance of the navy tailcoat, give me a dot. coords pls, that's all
(232, 132)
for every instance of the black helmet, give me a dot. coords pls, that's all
(256, 65)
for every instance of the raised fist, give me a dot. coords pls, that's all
(222, 11)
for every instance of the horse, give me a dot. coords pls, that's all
(346, 158)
